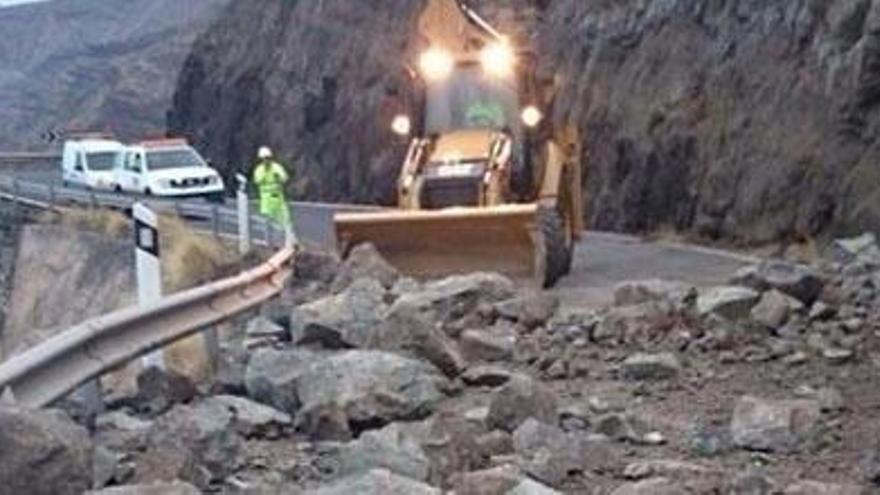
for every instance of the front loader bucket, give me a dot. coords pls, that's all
(437, 243)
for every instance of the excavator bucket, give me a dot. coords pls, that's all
(436, 243)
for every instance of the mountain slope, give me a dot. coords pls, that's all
(93, 64)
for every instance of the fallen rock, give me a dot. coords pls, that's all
(410, 330)
(731, 302)
(364, 261)
(651, 366)
(774, 425)
(377, 482)
(493, 344)
(250, 419)
(494, 481)
(104, 466)
(799, 281)
(457, 301)
(653, 486)
(452, 443)
(531, 310)
(174, 488)
(262, 327)
(774, 309)
(371, 389)
(486, 376)
(628, 324)
(532, 487)
(389, 448)
(159, 389)
(342, 321)
(751, 482)
(43, 453)
(665, 468)
(551, 455)
(121, 432)
(271, 376)
(520, 399)
(862, 249)
(195, 444)
(817, 488)
(655, 290)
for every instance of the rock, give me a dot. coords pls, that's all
(733, 303)
(664, 468)
(869, 464)
(364, 261)
(175, 488)
(251, 419)
(120, 432)
(774, 425)
(531, 310)
(497, 343)
(705, 441)
(43, 452)
(457, 301)
(452, 443)
(104, 466)
(651, 366)
(410, 330)
(389, 448)
(262, 327)
(774, 309)
(617, 426)
(159, 389)
(377, 482)
(342, 321)
(494, 481)
(193, 443)
(751, 483)
(625, 324)
(486, 376)
(799, 281)
(520, 399)
(532, 487)
(315, 266)
(653, 486)
(837, 355)
(552, 455)
(862, 249)
(655, 290)
(575, 417)
(371, 388)
(271, 376)
(822, 312)
(817, 488)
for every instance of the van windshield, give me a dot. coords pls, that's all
(168, 159)
(101, 162)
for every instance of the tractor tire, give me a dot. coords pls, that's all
(556, 250)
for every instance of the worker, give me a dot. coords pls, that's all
(485, 114)
(270, 178)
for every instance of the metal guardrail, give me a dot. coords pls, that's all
(59, 365)
(47, 372)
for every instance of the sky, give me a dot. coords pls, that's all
(6, 3)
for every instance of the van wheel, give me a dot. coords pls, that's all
(148, 192)
(117, 189)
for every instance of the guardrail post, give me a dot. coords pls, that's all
(149, 275)
(215, 221)
(244, 215)
(16, 193)
(269, 230)
(93, 200)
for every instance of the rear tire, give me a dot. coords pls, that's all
(556, 249)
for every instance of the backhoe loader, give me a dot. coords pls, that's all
(488, 184)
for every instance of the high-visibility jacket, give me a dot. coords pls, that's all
(270, 177)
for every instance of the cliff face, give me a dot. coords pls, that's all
(749, 119)
(93, 65)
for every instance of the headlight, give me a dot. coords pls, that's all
(401, 125)
(498, 59)
(436, 64)
(531, 116)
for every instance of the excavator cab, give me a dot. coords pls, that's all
(484, 185)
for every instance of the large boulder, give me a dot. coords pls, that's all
(121, 432)
(159, 389)
(774, 425)
(550, 455)
(43, 453)
(495, 343)
(197, 444)
(731, 302)
(377, 482)
(342, 321)
(411, 330)
(369, 388)
(798, 281)
(390, 448)
(531, 309)
(520, 399)
(271, 376)
(250, 419)
(364, 261)
(774, 309)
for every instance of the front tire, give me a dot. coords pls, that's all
(556, 246)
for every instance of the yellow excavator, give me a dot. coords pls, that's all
(488, 183)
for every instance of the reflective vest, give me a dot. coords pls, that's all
(270, 178)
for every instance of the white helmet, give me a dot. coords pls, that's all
(264, 153)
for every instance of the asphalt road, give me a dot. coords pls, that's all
(602, 260)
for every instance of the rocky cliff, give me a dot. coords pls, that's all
(751, 120)
(89, 64)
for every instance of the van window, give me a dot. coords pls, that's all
(101, 161)
(134, 162)
(178, 158)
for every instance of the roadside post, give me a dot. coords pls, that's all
(149, 274)
(244, 215)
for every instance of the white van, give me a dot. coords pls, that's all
(168, 167)
(91, 162)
